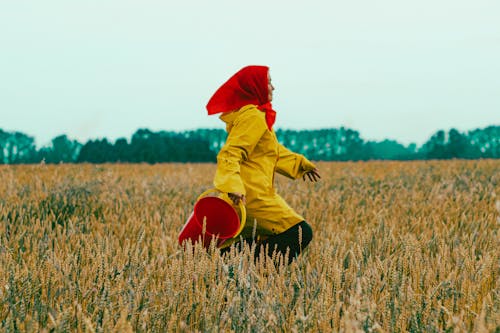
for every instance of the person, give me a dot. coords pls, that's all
(247, 163)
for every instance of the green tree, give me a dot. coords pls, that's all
(3, 142)
(96, 151)
(62, 150)
(485, 142)
(458, 145)
(121, 150)
(17, 148)
(390, 150)
(435, 147)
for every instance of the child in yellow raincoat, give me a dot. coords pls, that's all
(247, 163)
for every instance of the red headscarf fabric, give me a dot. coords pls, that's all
(248, 86)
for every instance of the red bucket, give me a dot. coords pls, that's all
(221, 222)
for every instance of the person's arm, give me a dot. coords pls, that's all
(246, 131)
(294, 165)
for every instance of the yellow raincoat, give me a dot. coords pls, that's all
(247, 164)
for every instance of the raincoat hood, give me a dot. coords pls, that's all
(248, 86)
(230, 117)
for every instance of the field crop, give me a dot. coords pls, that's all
(398, 246)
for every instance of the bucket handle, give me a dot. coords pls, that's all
(240, 205)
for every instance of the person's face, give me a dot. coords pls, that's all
(270, 87)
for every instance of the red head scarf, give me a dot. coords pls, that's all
(248, 86)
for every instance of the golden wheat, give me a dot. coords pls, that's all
(398, 246)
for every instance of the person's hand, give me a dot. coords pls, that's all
(236, 197)
(313, 175)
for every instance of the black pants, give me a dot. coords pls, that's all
(293, 241)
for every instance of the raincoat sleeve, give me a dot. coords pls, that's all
(246, 131)
(292, 165)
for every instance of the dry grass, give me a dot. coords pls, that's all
(397, 247)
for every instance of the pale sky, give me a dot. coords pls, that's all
(388, 68)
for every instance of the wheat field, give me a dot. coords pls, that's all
(397, 247)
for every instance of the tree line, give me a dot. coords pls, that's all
(202, 145)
